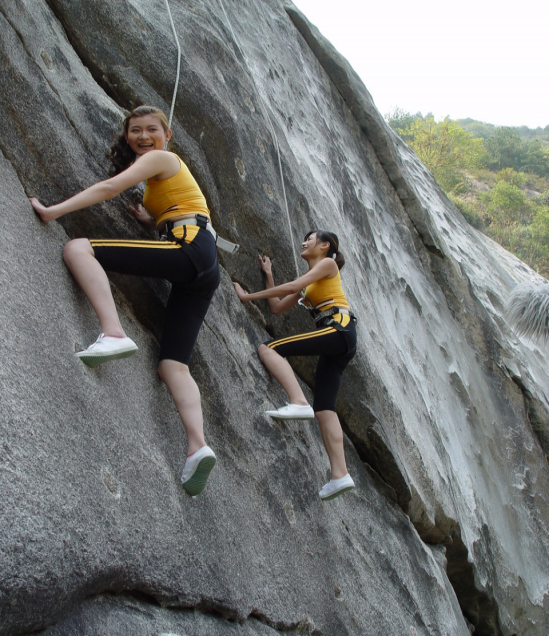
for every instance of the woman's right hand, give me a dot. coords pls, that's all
(42, 211)
(241, 293)
(265, 264)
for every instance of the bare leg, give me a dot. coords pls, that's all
(281, 370)
(92, 279)
(187, 398)
(333, 439)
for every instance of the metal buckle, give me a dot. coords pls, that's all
(326, 314)
(202, 220)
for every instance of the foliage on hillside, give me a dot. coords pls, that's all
(496, 176)
(482, 129)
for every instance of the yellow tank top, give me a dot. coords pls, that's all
(326, 293)
(180, 192)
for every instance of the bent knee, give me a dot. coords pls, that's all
(76, 247)
(167, 369)
(264, 351)
(325, 412)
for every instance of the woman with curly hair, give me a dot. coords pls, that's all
(173, 203)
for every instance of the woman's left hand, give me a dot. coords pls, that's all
(42, 211)
(142, 215)
(265, 264)
(241, 293)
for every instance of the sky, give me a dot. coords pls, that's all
(482, 59)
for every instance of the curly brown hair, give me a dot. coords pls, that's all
(120, 154)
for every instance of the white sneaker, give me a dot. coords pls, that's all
(197, 469)
(107, 348)
(292, 412)
(336, 487)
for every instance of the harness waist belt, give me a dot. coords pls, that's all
(306, 304)
(203, 222)
(331, 312)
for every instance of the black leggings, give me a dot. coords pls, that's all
(334, 348)
(193, 270)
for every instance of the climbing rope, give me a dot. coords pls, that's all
(176, 84)
(262, 105)
(273, 136)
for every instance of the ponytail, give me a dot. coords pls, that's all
(331, 238)
(120, 154)
(339, 259)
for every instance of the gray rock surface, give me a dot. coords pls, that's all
(444, 407)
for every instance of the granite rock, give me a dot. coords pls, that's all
(445, 409)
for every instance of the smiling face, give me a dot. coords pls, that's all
(309, 243)
(146, 133)
(312, 248)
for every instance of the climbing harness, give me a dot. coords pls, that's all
(325, 318)
(273, 136)
(223, 244)
(203, 222)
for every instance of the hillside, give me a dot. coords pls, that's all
(485, 130)
(497, 177)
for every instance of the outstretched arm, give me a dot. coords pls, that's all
(149, 165)
(326, 268)
(276, 305)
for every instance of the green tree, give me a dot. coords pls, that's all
(400, 120)
(535, 158)
(476, 128)
(540, 226)
(511, 176)
(445, 148)
(505, 149)
(508, 204)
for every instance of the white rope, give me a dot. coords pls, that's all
(274, 137)
(220, 242)
(178, 68)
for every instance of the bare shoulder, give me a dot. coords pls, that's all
(165, 164)
(175, 161)
(327, 267)
(161, 157)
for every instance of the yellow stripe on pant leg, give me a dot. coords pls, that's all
(163, 245)
(301, 336)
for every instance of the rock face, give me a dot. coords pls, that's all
(444, 408)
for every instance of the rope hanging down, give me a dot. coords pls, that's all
(274, 137)
(262, 105)
(227, 246)
(178, 67)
